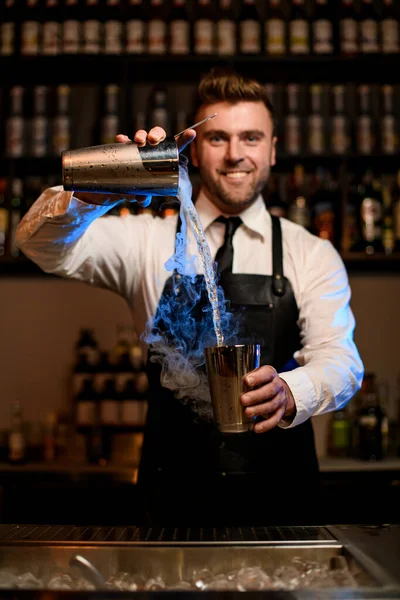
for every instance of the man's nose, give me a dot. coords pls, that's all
(234, 151)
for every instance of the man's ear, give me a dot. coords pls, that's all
(193, 154)
(273, 151)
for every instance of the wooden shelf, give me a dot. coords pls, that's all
(132, 69)
(354, 262)
(361, 262)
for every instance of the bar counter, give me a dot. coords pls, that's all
(351, 491)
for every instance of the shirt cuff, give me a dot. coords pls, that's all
(304, 396)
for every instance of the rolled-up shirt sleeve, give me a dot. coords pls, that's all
(66, 237)
(330, 368)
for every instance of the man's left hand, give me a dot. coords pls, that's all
(270, 397)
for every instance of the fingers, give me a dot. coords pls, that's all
(140, 137)
(185, 139)
(265, 409)
(154, 137)
(271, 422)
(122, 138)
(267, 400)
(259, 376)
(265, 392)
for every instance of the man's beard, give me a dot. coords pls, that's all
(215, 188)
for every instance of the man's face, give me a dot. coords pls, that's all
(234, 152)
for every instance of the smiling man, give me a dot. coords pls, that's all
(289, 287)
(234, 153)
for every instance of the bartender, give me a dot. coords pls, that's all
(292, 292)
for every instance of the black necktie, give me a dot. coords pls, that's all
(224, 256)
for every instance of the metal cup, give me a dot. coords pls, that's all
(123, 169)
(226, 367)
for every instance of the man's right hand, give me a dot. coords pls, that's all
(141, 138)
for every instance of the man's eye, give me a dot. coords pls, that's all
(215, 139)
(252, 139)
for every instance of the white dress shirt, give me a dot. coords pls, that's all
(64, 235)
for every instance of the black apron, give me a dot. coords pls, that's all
(190, 473)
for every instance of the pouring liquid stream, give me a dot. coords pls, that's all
(208, 266)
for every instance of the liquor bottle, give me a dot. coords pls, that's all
(15, 216)
(86, 361)
(365, 136)
(72, 28)
(110, 119)
(109, 404)
(340, 134)
(389, 28)
(348, 26)
(136, 353)
(299, 29)
(104, 370)
(158, 114)
(273, 198)
(340, 434)
(40, 125)
(30, 29)
(324, 202)
(129, 403)
(249, 28)
(179, 28)
(123, 373)
(292, 124)
(8, 19)
(372, 422)
(204, 28)
(15, 126)
(316, 129)
(51, 29)
(322, 29)
(87, 346)
(275, 29)
(136, 28)
(368, 27)
(395, 197)
(226, 29)
(371, 214)
(299, 211)
(98, 439)
(351, 234)
(83, 371)
(92, 29)
(157, 28)
(16, 438)
(389, 126)
(388, 228)
(113, 28)
(4, 216)
(62, 120)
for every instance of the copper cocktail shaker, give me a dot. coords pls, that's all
(123, 168)
(226, 367)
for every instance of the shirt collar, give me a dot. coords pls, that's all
(256, 217)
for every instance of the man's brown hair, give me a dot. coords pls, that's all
(223, 85)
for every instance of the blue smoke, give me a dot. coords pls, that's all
(183, 325)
